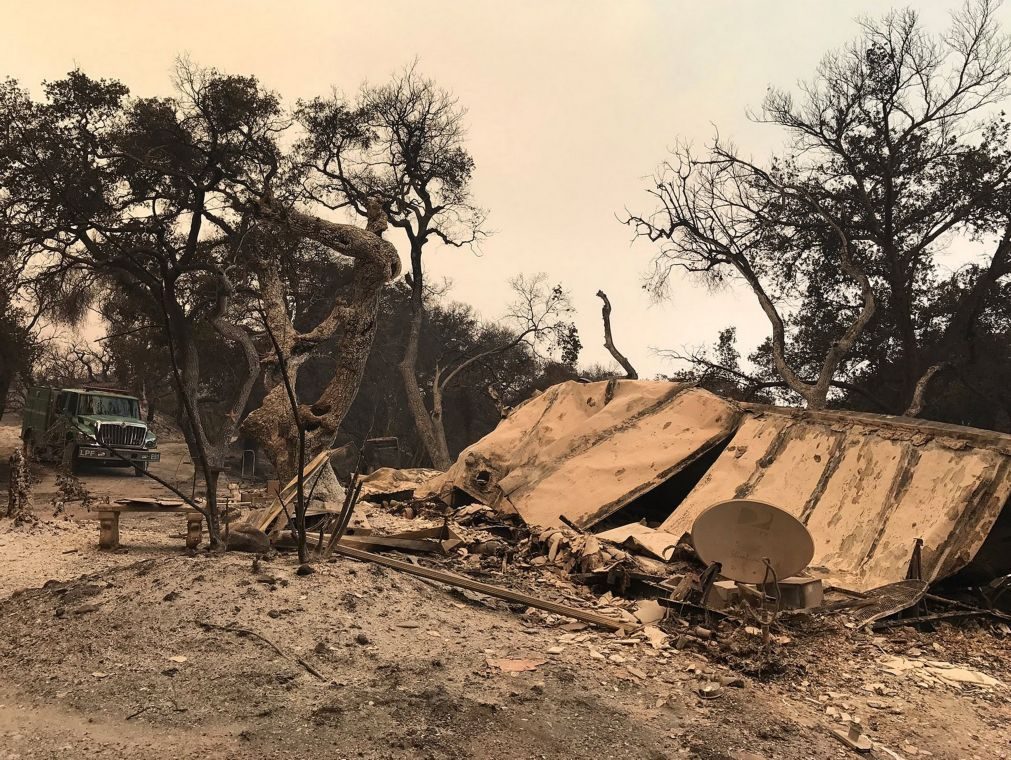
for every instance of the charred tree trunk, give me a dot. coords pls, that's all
(428, 427)
(5, 388)
(19, 494)
(186, 370)
(207, 454)
(619, 357)
(438, 423)
(352, 321)
(919, 400)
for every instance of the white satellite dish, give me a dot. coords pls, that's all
(741, 534)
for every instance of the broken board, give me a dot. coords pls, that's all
(262, 519)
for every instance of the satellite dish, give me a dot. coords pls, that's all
(740, 534)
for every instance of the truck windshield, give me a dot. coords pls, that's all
(111, 406)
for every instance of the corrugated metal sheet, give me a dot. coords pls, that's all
(585, 450)
(866, 487)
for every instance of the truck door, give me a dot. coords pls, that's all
(56, 407)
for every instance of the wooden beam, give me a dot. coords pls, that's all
(460, 581)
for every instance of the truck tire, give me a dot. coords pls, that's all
(69, 460)
(140, 469)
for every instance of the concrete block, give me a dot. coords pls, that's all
(798, 593)
(722, 595)
(108, 530)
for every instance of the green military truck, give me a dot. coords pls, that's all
(73, 425)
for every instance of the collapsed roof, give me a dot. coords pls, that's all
(584, 451)
(866, 486)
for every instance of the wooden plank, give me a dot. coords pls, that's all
(287, 540)
(314, 464)
(163, 503)
(146, 509)
(460, 581)
(394, 542)
(262, 520)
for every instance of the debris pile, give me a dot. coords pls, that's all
(935, 672)
(606, 455)
(587, 503)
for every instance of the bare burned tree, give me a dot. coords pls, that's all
(94, 364)
(723, 215)
(538, 317)
(895, 147)
(605, 314)
(401, 143)
(723, 374)
(20, 346)
(30, 298)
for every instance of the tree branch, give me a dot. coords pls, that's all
(619, 357)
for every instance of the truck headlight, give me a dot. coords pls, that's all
(150, 441)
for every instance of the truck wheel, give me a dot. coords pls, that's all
(70, 458)
(140, 469)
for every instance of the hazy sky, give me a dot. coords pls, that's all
(571, 104)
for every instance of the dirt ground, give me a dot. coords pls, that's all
(122, 655)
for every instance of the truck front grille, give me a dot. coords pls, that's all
(121, 435)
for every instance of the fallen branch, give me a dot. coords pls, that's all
(996, 614)
(133, 715)
(934, 618)
(247, 632)
(148, 474)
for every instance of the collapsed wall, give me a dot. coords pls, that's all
(866, 486)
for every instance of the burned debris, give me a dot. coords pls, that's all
(389, 504)
(726, 548)
(605, 491)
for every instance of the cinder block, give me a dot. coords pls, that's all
(798, 593)
(723, 594)
(108, 530)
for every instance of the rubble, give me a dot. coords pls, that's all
(933, 672)
(388, 484)
(621, 604)
(642, 539)
(533, 508)
(584, 453)
(263, 519)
